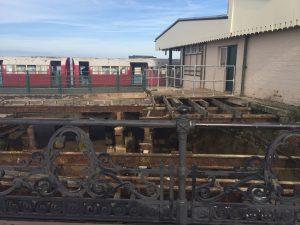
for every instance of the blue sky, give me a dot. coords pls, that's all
(93, 28)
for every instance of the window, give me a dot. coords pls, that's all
(44, 69)
(194, 49)
(31, 68)
(105, 70)
(9, 68)
(20, 68)
(187, 50)
(114, 70)
(223, 56)
(123, 70)
(95, 69)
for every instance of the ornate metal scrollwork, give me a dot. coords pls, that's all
(257, 189)
(100, 180)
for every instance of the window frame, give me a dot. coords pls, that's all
(223, 61)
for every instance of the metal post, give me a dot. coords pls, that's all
(167, 71)
(59, 81)
(90, 85)
(194, 80)
(158, 75)
(118, 82)
(27, 82)
(182, 127)
(233, 81)
(144, 80)
(174, 72)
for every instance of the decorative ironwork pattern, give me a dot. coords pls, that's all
(40, 187)
(92, 196)
(257, 185)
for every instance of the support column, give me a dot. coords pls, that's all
(146, 146)
(182, 128)
(31, 138)
(119, 138)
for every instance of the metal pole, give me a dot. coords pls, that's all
(194, 81)
(233, 81)
(158, 76)
(90, 122)
(174, 74)
(167, 71)
(182, 127)
(27, 82)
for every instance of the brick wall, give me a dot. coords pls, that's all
(273, 66)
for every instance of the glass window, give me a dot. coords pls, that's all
(114, 70)
(187, 51)
(20, 68)
(45, 69)
(223, 56)
(31, 68)
(105, 70)
(194, 49)
(95, 69)
(137, 70)
(9, 68)
(123, 70)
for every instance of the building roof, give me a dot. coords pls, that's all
(193, 19)
(244, 17)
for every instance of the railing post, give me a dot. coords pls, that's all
(59, 81)
(27, 82)
(118, 82)
(144, 74)
(167, 76)
(174, 72)
(158, 77)
(90, 85)
(182, 128)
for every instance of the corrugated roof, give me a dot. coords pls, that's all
(245, 17)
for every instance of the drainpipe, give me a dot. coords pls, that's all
(244, 65)
(170, 57)
(204, 63)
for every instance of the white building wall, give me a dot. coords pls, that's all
(215, 72)
(273, 66)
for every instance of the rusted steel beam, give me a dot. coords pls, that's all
(175, 102)
(71, 109)
(199, 109)
(90, 122)
(235, 112)
(202, 102)
(168, 106)
(132, 160)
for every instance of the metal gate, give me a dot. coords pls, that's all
(36, 189)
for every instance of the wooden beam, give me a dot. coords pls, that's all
(168, 106)
(235, 112)
(199, 109)
(203, 103)
(176, 102)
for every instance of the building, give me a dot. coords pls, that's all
(261, 38)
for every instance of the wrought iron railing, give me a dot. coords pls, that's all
(38, 188)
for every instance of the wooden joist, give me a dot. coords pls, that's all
(168, 106)
(199, 109)
(235, 112)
